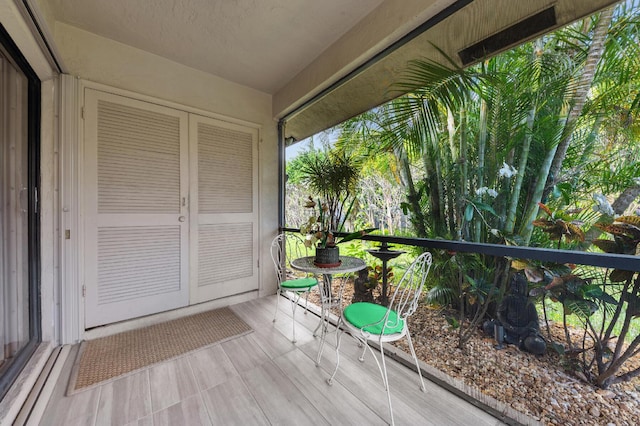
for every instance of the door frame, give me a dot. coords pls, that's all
(10, 371)
(96, 221)
(197, 219)
(72, 216)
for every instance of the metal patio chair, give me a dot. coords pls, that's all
(371, 322)
(284, 248)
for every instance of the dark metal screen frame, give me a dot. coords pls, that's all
(13, 367)
(604, 260)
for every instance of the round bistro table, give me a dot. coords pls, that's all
(347, 265)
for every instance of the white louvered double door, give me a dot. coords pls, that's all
(170, 208)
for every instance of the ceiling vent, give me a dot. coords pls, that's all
(515, 34)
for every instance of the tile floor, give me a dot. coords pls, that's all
(262, 378)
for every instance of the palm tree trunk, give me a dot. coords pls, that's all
(412, 197)
(522, 167)
(581, 90)
(550, 169)
(450, 156)
(482, 145)
(625, 199)
(433, 182)
(451, 128)
(532, 210)
(464, 167)
(510, 221)
(433, 178)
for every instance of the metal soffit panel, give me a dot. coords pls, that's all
(465, 24)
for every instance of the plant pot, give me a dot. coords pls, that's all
(327, 257)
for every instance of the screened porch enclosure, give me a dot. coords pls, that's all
(262, 378)
(128, 225)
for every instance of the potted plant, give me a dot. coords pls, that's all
(334, 177)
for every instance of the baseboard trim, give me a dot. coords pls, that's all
(21, 390)
(119, 327)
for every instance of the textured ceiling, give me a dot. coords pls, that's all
(258, 43)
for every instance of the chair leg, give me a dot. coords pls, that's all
(382, 367)
(278, 295)
(339, 332)
(415, 359)
(386, 381)
(294, 304)
(306, 302)
(315, 332)
(364, 350)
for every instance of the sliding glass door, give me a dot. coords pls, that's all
(19, 124)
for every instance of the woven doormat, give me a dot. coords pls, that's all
(107, 358)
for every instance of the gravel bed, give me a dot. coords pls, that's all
(537, 386)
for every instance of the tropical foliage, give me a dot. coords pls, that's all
(333, 177)
(608, 339)
(537, 146)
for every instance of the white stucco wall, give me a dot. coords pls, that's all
(92, 57)
(98, 59)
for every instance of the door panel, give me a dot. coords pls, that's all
(136, 224)
(170, 199)
(14, 212)
(224, 215)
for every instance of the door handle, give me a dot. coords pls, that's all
(181, 219)
(24, 201)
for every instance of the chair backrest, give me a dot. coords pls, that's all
(285, 247)
(406, 296)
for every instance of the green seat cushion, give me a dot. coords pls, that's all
(299, 283)
(361, 314)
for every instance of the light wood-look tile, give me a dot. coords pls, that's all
(262, 378)
(435, 403)
(364, 381)
(211, 366)
(270, 340)
(273, 343)
(145, 421)
(243, 359)
(77, 410)
(309, 319)
(124, 400)
(279, 398)
(190, 411)
(231, 403)
(171, 382)
(283, 322)
(335, 402)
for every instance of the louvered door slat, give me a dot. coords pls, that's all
(225, 170)
(226, 253)
(138, 160)
(122, 276)
(136, 233)
(224, 217)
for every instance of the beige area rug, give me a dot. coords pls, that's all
(108, 358)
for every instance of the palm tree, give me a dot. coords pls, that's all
(479, 148)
